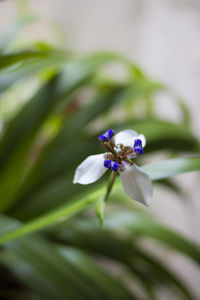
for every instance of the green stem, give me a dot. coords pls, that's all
(110, 185)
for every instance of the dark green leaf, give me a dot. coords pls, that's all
(155, 171)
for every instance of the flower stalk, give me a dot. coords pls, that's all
(110, 185)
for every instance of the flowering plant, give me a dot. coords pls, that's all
(123, 148)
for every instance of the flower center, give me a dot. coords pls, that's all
(119, 156)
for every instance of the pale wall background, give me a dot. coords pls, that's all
(163, 37)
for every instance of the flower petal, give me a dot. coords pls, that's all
(126, 137)
(142, 138)
(90, 170)
(137, 184)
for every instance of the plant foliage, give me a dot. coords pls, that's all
(52, 245)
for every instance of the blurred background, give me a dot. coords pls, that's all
(162, 38)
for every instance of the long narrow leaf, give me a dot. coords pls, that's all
(51, 274)
(125, 250)
(72, 208)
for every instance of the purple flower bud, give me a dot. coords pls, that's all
(137, 142)
(138, 147)
(107, 163)
(107, 136)
(138, 150)
(110, 133)
(102, 138)
(114, 166)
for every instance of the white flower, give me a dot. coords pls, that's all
(122, 147)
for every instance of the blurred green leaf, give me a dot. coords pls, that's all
(185, 112)
(161, 134)
(171, 185)
(25, 70)
(45, 269)
(172, 167)
(125, 250)
(32, 192)
(22, 130)
(7, 60)
(155, 171)
(54, 160)
(141, 224)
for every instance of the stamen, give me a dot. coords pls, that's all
(107, 136)
(110, 133)
(114, 166)
(107, 163)
(102, 138)
(138, 147)
(139, 150)
(137, 143)
(132, 155)
(109, 156)
(119, 156)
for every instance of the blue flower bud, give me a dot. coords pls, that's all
(110, 133)
(137, 142)
(138, 147)
(138, 150)
(107, 163)
(114, 166)
(107, 136)
(102, 138)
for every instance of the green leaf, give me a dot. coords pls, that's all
(22, 130)
(140, 224)
(54, 160)
(172, 167)
(60, 214)
(52, 167)
(162, 134)
(53, 272)
(171, 185)
(155, 171)
(7, 60)
(86, 264)
(125, 250)
(20, 134)
(25, 70)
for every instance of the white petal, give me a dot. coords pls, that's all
(143, 139)
(125, 137)
(90, 170)
(137, 184)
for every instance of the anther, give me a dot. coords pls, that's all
(107, 163)
(114, 166)
(138, 147)
(107, 136)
